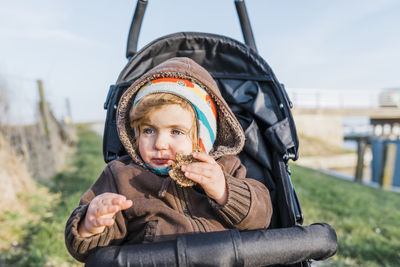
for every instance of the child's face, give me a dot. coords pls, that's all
(166, 131)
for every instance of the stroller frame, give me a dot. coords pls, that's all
(245, 81)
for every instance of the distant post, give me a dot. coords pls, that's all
(68, 118)
(43, 110)
(361, 145)
(389, 165)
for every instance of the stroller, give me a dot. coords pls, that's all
(262, 107)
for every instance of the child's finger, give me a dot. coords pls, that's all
(126, 204)
(202, 168)
(108, 199)
(204, 157)
(118, 199)
(107, 210)
(198, 178)
(102, 221)
(122, 203)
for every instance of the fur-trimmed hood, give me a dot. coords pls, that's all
(230, 136)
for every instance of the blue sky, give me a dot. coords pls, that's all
(78, 47)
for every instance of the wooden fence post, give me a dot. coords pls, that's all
(361, 145)
(43, 110)
(388, 165)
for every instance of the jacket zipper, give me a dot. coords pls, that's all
(185, 208)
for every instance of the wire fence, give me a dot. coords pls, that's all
(29, 125)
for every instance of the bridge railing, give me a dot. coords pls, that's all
(333, 98)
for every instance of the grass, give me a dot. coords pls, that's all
(41, 237)
(367, 220)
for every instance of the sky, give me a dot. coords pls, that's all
(77, 48)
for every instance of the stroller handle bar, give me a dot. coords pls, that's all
(137, 20)
(245, 24)
(226, 248)
(134, 30)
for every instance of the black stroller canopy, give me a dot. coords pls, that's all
(220, 55)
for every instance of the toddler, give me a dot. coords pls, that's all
(175, 108)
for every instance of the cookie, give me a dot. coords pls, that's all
(177, 174)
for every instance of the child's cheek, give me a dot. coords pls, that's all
(144, 149)
(184, 146)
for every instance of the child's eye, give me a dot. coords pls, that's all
(177, 132)
(148, 131)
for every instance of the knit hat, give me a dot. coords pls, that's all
(202, 103)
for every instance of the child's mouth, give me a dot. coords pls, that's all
(159, 161)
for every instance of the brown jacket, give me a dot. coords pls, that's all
(161, 209)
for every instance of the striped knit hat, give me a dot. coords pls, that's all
(204, 106)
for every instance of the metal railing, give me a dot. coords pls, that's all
(333, 98)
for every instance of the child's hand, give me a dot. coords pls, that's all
(100, 213)
(209, 175)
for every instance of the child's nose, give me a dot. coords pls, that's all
(161, 142)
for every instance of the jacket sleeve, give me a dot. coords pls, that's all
(249, 204)
(79, 247)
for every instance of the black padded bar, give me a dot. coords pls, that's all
(226, 248)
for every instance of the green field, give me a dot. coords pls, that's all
(367, 220)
